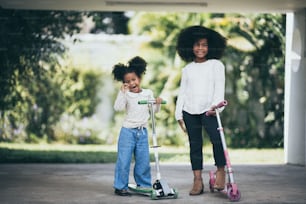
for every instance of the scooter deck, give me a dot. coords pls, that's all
(142, 191)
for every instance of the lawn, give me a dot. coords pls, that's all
(57, 153)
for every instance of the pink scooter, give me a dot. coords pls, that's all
(231, 189)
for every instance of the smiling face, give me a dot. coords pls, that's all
(132, 81)
(200, 50)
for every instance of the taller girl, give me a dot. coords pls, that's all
(202, 87)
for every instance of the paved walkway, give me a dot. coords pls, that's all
(92, 183)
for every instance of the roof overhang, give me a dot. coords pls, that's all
(210, 6)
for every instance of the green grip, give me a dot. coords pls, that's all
(150, 101)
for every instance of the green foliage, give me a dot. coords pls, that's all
(255, 84)
(28, 39)
(80, 87)
(35, 89)
(28, 58)
(55, 156)
(68, 91)
(109, 22)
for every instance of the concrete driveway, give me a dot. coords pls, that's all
(92, 183)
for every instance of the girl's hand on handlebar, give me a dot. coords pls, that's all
(158, 100)
(213, 110)
(182, 125)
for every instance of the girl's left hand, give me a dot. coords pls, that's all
(213, 111)
(182, 125)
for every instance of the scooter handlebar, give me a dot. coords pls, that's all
(219, 105)
(152, 101)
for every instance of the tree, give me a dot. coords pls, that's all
(29, 58)
(260, 75)
(35, 88)
(109, 22)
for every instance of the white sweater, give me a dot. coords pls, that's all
(136, 115)
(202, 86)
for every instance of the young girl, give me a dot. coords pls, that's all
(202, 87)
(133, 137)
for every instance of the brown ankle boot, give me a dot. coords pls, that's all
(198, 187)
(220, 179)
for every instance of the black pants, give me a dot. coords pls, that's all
(194, 125)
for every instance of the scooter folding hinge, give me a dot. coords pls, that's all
(165, 187)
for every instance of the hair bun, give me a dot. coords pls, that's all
(137, 62)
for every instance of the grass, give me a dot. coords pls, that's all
(57, 153)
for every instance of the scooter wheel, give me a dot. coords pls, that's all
(153, 195)
(232, 196)
(211, 185)
(157, 186)
(175, 194)
(212, 181)
(211, 188)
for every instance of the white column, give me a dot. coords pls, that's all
(295, 89)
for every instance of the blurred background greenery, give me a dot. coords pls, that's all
(57, 87)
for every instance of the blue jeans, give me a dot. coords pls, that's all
(133, 141)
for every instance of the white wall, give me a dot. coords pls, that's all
(295, 89)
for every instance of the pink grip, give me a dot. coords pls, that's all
(220, 105)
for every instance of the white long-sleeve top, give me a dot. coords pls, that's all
(202, 86)
(137, 115)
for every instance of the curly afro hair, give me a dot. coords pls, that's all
(136, 65)
(190, 35)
